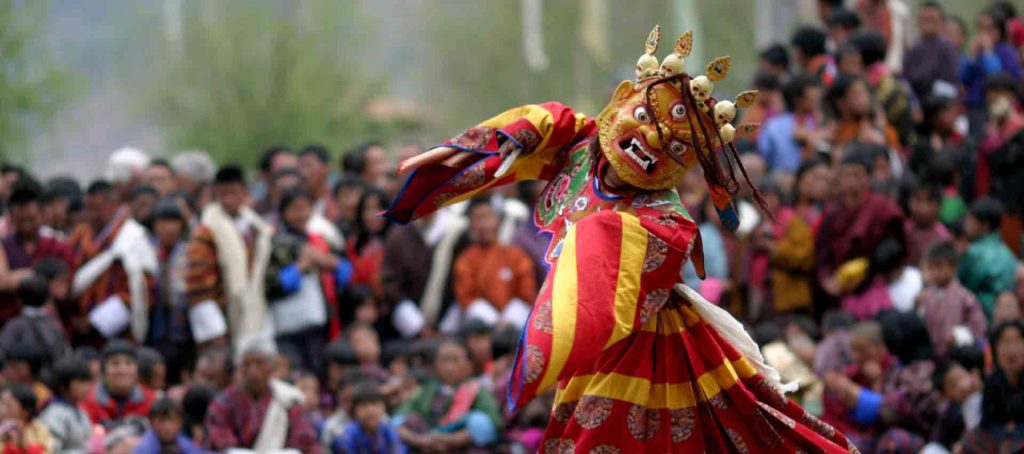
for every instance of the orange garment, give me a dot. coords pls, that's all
(847, 131)
(496, 273)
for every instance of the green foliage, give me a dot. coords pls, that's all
(244, 75)
(32, 88)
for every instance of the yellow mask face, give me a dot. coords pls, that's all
(629, 139)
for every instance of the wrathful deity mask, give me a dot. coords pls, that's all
(654, 129)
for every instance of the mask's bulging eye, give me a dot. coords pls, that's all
(641, 115)
(678, 111)
(677, 147)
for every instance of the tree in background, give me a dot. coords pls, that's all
(32, 87)
(241, 75)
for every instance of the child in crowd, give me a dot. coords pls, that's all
(950, 311)
(118, 397)
(961, 389)
(1008, 308)
(368, 432)
(366, 343)
(164, 433)
(452, 412)
(194, 405)
(309, 385)
(55, 272)
(477, 336)
(152, 369)
(903, 278)
(68, 424)
(36, 323)
(988, 267)
(20, 431)
(923, 228)
(24, 365)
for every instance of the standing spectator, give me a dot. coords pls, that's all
(24, 433)
(948, 309)
(215, 368)
(369, 431)
(282, 181)
(347, 193)
(370, 163)
(118, 396)
(891, 20)
(774, 60)
(272, 160)
(923, 228)
(303, 281)
(169, 331)
(933, 59)
(36, 324)
(114, 263)
(492, 281)
(259, 413)
(770, 103)
(24, 246)
(1003, 395)
(405, 270)
(851, 107)
(160, 176)
(988, 267)
(67, 422)
(1000, 156)
(842, 24)
(892, 94)
(856, 223)
(194, 171)
(313, 163)
(936, 135)
(989, 53)
(788, 137)
(812, 56)
(453, 412)
(164, 433)
(152, 369)
(227, 260)
(62, 197)
(366, 244)
(792, 255)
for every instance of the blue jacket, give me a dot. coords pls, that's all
(150, 444)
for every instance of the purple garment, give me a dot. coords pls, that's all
(833, 353)
(931, 59)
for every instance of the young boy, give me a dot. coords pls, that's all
(988, 267)
(949, 310)
(35, 325)
(923, 228)
(68, 424)
(957, 385)
(454, 411)
(368, 432)
(164, 433)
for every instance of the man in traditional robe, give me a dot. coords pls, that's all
(115, 263)
(227, 259)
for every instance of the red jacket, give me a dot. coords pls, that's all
(103, 409)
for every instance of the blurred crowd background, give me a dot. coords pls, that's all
(887, 282)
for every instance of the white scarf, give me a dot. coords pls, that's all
(274, 430)
(243, 285)
(137, 256)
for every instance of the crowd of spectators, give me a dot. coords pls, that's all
(181, 307)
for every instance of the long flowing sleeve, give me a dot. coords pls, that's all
(543, 132)
(609, 263)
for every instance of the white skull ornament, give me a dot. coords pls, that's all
(646, 66)
(728, 132)
(725, 112)
(701, 88)
(672, 65)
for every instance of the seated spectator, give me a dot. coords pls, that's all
(841, 25)
(366, 345)
(790, 136)
(494, 282)
(855, 225)
(24, 364)
(998, 171)
(988, 267)
(833, 353)
(1007, 309)
(770, 103)
(774, 60)
(309, 386)
(811, 54)
(152, 369)
(369, 431)
(36, 323)
(903, 279)
(303, 281)
(259, 413)
(215, 368)
(937, 135)
(900, 384)
(716, 257)
(957, 385)
(118, 396)
(23, 433)
(792, 250)
(1002, 405)
(194, 405)
(922, 227)
(477, 336)
(453, 412)
(988, 53)
(891, 93)
(950, 311)
(164, 433)
(69, 425)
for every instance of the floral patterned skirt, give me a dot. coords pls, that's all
(677, 386)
